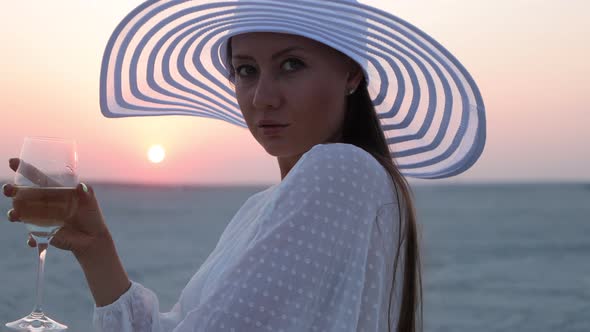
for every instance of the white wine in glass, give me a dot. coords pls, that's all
(44, 209)
(45, 183)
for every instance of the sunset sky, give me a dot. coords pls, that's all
(529, 58)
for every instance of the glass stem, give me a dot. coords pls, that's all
(42, 247)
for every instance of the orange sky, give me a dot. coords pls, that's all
(529, 59)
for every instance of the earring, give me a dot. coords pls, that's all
(351, 91)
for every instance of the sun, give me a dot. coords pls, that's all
(156, 154)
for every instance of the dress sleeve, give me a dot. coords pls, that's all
(137, 310)
(305, 268)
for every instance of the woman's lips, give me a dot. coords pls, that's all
(270, 130)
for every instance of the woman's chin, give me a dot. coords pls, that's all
(277, 146)
(275, 149)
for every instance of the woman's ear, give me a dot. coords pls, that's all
(355, 75)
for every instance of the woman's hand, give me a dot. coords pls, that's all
(83, 232)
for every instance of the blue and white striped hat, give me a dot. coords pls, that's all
(167, 57)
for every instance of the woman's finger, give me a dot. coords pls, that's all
(31, 242)
(8, 190)
(13, 163)
(69, 239)
(12, 216)
(32, 173)
(87, 197)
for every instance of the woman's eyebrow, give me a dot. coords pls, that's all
(273, 57)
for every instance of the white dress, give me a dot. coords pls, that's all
(312, 253)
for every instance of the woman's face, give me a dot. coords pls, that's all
(293, 81)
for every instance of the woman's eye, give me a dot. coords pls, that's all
(292, 64)
(245, 70)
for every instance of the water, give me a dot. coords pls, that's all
(495, 257)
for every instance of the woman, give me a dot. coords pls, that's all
(334, 245)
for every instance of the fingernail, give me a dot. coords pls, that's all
(84, 187)
(9, 215)
(13, 163)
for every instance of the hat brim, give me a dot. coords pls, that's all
(167, 58)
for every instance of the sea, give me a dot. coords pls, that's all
(495, 257)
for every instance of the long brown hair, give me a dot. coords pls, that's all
(362, 128)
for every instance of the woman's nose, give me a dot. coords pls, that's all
(267, 94)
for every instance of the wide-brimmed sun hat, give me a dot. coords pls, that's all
(168, 58)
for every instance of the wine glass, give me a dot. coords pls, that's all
(45, 184)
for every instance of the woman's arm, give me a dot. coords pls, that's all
(85, 234)
(106, 277)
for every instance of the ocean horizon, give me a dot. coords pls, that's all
(413, 183)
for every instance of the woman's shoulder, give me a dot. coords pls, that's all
(342, 158)
(342, 168)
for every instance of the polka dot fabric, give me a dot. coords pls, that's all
(312, 253)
